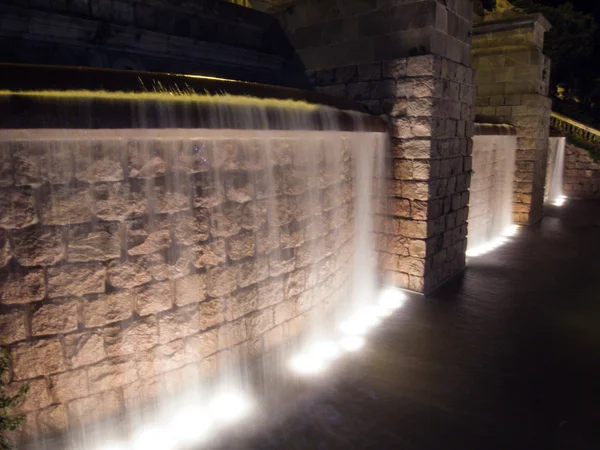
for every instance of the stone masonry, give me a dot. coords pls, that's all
(582, 174)
(512, 86)
(127, 268)
(408, 61)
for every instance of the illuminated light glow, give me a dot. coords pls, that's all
(354, 326)
(190, 425)
(560, 201)
(229, 406)
(392, 299)
(325, 350)
(306, 364)
(352, 343)
(153, 439)
(113, 446)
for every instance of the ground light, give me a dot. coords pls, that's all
(560, 201)
(494, 244)
(190, 426)
(153, 438)
(229, 406)
(315, 360)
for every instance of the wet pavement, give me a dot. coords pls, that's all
(506, 357)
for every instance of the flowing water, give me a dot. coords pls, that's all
(490, 205)
(156, 265)
(555, 169)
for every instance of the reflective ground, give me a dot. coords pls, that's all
(507, 357)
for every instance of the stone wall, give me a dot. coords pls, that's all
(582, 174)
(212, 38)
(129, 267)
(512, 86)
(429, 103)
(408, 61)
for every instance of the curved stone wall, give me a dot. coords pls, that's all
(128, 265)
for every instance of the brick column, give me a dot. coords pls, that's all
(411, 63)
(512, 85)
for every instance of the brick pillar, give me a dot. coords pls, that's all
(411, 63)
(512, 85)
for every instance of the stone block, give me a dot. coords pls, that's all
(6, 165)
(37, 358)
(241, 303)
(346, 74)
(99, 161)
(100, 242)
(129, 274)
(252, 271)
(38, 396)
(222, 280)
(270, 292)
(52, 420)
(119, 202)
(83, 349)
(93, 408)
(424, 66)
(18, 207)
(225, 221)
(12, 324)
(209, 253)
(63, 205)
(169, 199)
(281, 262)
(20, 287)
(153, 298)
(56, 317)
(135, 337)
(208, 192)
(190, 289)
(161, 359)
(258, 322)
(69, 385)
(109, 308)
(5, 254)
(76, 280)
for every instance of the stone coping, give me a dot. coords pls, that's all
(511, 23)
(494, 129)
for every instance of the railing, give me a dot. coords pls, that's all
(576, 130)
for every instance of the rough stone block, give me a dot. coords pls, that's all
(179, 323)
(208, 192)
(69, 385)
(396, 68)
(138, 336)
(52, 420)
(252, 271)
(161, 359)
(153, 298)
(109, 308)
(119, 202)
(129, 274)
(76, 280)
(95, 407)
(24, 286)
(270, 292)
(222, 280)
(65, 205)
(17, 207)
(99, 161)
(12, 324)
(53, 318)
(190, 289)
(38, 396)
(93, 243)
(38, 358)
(83, 349)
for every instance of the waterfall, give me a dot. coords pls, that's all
(491, 202)
(156, 263)
(553, 193)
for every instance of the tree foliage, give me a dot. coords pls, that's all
(8, 402)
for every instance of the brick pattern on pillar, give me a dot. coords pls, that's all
(429, 102)
(512, 87)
